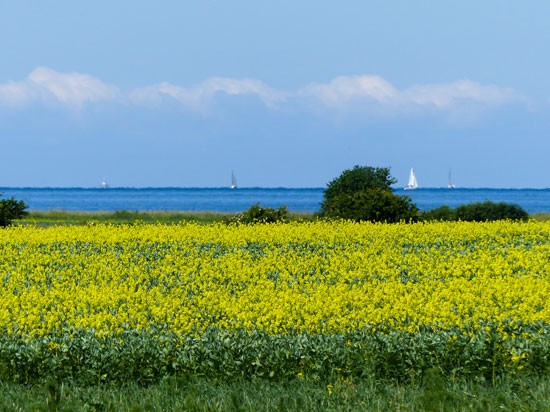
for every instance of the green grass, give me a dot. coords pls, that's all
(63, 217)
(188, 394)
(541, 216)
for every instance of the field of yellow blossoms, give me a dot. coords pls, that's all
(102, 302)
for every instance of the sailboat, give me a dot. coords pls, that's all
(413, 184)
(233, 181)
(104, 184)
(449, 184)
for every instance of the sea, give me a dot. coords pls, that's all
(236, 200)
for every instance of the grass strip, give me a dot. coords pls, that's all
(202, 394)
(46, 218)
(64, 217)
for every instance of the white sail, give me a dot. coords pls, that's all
(413, 183)
(233, 180)
(449, 184)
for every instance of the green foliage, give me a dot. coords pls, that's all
(364, 193)
(259, 214)
(11, 209)
(356, 180)
(378, 205)
(441, 213)
(434, 394)
(145, 357)
(478, 212)
(203, 394)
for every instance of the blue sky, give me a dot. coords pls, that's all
(285, 93)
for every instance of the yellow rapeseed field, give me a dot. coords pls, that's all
(307, 277)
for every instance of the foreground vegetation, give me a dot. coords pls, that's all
(200, 394)
(318, 315)
(319, 300)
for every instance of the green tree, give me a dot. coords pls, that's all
(11, 209)
(355, 180)
(365, 193)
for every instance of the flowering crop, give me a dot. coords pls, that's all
(456, 280)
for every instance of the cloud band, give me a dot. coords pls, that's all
(75, 90)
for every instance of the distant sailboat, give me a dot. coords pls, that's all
(104, 184)
(449, 184)
(233, 181)
(413, 184)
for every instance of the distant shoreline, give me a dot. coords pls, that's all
(399, 188)
(63, 217)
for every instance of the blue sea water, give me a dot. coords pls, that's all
(227, 200)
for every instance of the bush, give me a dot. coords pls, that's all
(441, 213)
(478, 212)
(11, 209)
(259, 214)
(364, 193)
(376, 205)
(356, 180)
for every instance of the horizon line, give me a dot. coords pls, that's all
(254, 187)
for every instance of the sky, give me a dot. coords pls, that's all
(285, 94)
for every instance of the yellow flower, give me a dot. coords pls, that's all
(328, 277)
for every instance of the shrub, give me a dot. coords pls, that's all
(440, 213)
(480, 212)
(477, 212)
(377, 205)
(259, 214)
(11, 209)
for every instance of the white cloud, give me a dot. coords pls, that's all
(344, 89)
(446, 95)
(199, 95)
(70, 89)
(17, 93)
(347, 92)
(357, 94)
